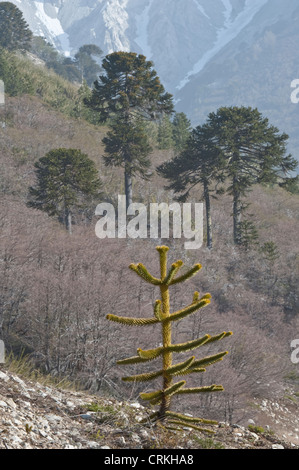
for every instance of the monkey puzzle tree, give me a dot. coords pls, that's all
(87, 65)
(165, 136)
(181, 129)
(129, 90)
(169, 370)
(254, 151)
(66, 180)
(127, 146)
(199, 163)
(14, 31)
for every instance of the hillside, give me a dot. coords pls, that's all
(246, 72)
(207, 54)
(34, 415)
(57, 290)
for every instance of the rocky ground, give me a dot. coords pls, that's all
(36, 416)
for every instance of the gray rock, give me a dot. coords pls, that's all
(254, 435)
(136, 405)
(144, 434)
(277, 446)
(53, 418)
(16, 439)
(92, 445)
(4, 377)
(87, 416)
(11, 403)
(136, 438)
(121, 441)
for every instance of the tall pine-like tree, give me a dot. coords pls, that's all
(200, 163)
(88, 66)
(14, 31)
(237, 146)
(254, 150)
(181, 129)
(129, 90)
(165, 135)
(127, 146)
(67, 180)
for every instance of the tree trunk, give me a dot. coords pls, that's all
(236, 214)
(128, 188)
(68, 221)
(208, 215)
(166, 332)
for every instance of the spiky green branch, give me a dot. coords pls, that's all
(169, 370)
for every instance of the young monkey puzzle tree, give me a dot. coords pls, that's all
(170, 370)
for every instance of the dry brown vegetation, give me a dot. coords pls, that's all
(56, 289)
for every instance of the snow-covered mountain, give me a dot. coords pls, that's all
(208, 53)
(180, 36)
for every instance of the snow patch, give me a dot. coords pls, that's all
(54, 27)
(201, 9)
(230, 31)
(141, 39)
(227, 12)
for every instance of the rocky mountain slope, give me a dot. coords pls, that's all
(38, 416)
(181, 37)
(207, 54)
(40, 259)
(259, 329)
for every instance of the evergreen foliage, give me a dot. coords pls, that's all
(79, 69)
(198, 163)
(66, 68)
(67, 180)
(254, 151)
(16, 81)
(165, 133)
(238, 146)
(181, 131)
(127, 146)
(270, 251)
(248, 234)
(170, 370)
(79, 110)
(129, 86)
(128, 91)
(44, 50)
(21, 76)
(87, 65)
(14, 31)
